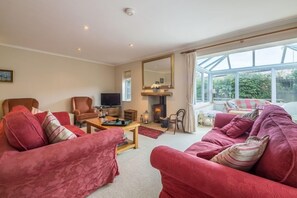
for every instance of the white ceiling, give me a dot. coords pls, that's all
(159, 26)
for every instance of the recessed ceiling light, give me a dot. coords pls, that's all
(86, 27)
(129, 11)
(131, 45)
(79, 49)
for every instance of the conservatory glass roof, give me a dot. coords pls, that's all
(270, 56)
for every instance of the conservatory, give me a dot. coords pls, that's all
(268, 73)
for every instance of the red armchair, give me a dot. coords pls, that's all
(82, 109)
(8, 104)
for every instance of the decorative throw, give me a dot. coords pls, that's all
(54, 131)
(243, 156)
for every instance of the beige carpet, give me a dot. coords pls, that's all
(138, 179)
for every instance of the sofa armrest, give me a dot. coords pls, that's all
(15, 166)
(214, 179)
(222, 119)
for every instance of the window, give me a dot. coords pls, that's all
(268, 73)
(127, 86)
(201, 87)
(198, 86)
(255, 85)
(286, 85)
(224, 86)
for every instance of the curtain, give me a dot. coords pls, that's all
(190, 124)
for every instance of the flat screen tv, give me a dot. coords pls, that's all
(110, 99)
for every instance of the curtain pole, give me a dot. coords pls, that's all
(241, 40)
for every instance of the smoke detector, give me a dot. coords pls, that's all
(129, 11)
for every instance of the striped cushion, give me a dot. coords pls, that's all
(54, 131)
(243, 156)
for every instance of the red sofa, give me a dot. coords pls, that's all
(72, 168)
(190, 174)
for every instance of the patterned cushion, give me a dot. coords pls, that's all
(237, 126)
(243, 156)
(252, 115)
(54, 131)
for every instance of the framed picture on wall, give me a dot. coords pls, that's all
(6, 75)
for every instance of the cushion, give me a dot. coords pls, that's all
(205, 150)
(23, 131)
(20, 108)
(243, 156)
(232, 105)
(55, 132)
(252, 115)
(237, 127)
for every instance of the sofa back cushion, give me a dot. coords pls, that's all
(63, 117)
(279, 161)
(23, 131)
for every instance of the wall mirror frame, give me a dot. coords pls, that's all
(158, 70)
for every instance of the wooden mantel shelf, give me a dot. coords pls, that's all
(156, 93)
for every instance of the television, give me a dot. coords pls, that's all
(110, 99)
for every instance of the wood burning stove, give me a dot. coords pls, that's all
(159, 110)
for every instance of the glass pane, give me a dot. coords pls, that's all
(242, 59)
(291, 56)
(198, 87)
(286, 85)
(222, 65)
(208, 64)
(255, 85)
(269, 56)
(199, 61)
(224, 86)
(205, 86)
(127, 90)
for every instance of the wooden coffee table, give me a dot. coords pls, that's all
(133, 127)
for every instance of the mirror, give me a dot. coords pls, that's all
(158, 71)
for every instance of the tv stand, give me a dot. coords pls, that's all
(114, 111)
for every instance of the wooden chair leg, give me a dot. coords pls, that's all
(183, 127)
(175, 127)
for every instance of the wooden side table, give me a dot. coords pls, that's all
(130, 114)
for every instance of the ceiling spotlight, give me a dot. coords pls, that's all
(79, 49)
(129, 11)
(131, 45)
(86, 27)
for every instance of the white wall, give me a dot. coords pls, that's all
(52, 80)
(142, 103)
